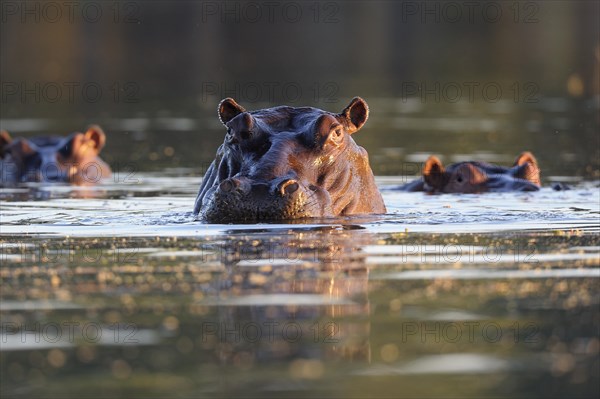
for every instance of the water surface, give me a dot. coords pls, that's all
(118, 291)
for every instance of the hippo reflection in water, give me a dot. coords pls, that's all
(73, 159)
(477, 177)
(288, 163)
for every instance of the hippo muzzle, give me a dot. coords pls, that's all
(243, 200)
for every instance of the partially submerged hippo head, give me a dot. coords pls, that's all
(479, 177)
(288, 163)
(73, 159)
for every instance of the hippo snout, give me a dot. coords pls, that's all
(508, 183)
(245, 200)
(526, 186)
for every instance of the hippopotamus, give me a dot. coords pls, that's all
(73, 159)
(286, 163)
(477, 177)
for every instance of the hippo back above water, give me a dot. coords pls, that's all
(477, 177)
(287, 163)
(52, 159)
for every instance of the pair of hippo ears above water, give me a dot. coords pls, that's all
(434, 165)
(93, 140)
(354, 115)
(525, 167)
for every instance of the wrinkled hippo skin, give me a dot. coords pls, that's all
(73, 159)
(286, 163)
(477, 177)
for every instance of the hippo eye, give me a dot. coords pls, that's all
(66, 150)
(246, 135)
(337, 133)
(459, 178)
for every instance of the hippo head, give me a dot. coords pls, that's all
(478, 177)
(73, 159)
(288, 163)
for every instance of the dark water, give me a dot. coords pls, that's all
(485, 81)
(399, 135)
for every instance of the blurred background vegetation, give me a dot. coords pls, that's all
(463, 80)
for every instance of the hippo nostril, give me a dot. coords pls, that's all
(288, 187)
(530, 187)
(233, 184)
(228, 185)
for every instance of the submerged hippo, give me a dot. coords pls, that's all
(288, 163)
(73, 159)
(477, 177)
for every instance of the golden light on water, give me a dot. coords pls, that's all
(575, 85)
(389, 353)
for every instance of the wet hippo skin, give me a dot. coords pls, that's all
(73, 159)
(477, 177)
(286, 163)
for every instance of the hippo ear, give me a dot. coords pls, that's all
(356, 114)
(20, 148)
(434, 172)
(5, 140)
(524, 157)
(97, 136)
(526, 167)
(229, 109)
